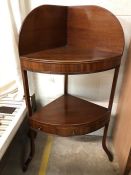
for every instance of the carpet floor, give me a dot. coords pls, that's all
(80, 155)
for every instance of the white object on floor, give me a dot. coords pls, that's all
(9, 123)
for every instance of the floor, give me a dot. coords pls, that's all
(81, 155)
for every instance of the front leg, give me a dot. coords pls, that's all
(32, 135)
(109, 154)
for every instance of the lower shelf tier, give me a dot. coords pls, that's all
(69, 115)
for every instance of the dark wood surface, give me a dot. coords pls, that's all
(66, 84)
(70, 40)
(94, 27)
(69, 115)
(83, 39)
(43, 28)
(71, 60)
(50, 26)
(27, 93)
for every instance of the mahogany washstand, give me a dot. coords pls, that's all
(70, 40)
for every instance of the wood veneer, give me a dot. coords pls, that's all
(68, 116)
(70, 40)
(94, 27)
(70, 60)
(43, 28)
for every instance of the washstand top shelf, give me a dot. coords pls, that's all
(72, 40)
(70, 60)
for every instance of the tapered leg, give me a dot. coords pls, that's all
(66, 85)
(31, 134)
(109, 154)
(32, 150)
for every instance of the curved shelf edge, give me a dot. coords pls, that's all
(69, 131)
(69, 115)
(70, 68)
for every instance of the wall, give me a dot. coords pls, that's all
(95, 87)
(7, 60)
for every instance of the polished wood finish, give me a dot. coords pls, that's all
(109, 154)
(44, 28)
(94, 27)
(69, 115)
(27, 93)
(122, 135)
(70, 40)
(83, 39)
(113, 88)
(70, 60)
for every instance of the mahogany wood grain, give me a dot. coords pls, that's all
(83, 39)
(70, 40)
(69, 115)
(94, 27)
(70, 60)
(44, 28)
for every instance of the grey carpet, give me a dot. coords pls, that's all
(81, 155)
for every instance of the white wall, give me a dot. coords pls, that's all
(95, 87)
(9, 59)
(7, 62)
